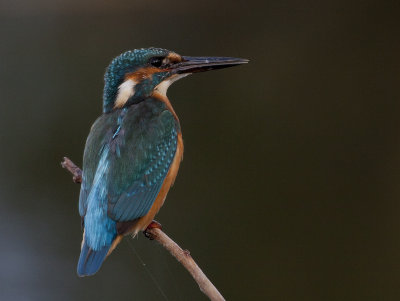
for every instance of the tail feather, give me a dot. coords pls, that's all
(90, 260)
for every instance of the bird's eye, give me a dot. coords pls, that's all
(156, 61)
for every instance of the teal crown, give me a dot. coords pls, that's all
(125, 63)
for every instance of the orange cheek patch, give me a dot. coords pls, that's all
(143, 73)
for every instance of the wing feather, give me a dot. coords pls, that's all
(142, 142)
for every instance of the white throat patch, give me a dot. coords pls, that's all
(125, 91)
(164, 85)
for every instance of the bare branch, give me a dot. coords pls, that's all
(182, 256)
(72, 168)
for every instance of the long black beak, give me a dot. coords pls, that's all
(191, 64)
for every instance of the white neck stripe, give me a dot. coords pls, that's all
(125, 91)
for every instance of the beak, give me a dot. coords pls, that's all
(190, 64)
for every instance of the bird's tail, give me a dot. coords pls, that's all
(90, 260)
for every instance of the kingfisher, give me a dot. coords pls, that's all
(134, 149)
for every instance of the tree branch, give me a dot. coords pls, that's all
(182, 256)
(72, 168)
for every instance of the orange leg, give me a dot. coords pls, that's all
(153, 225)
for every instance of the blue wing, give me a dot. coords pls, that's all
(137, 199)
(142, 142)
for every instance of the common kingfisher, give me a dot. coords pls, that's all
(134, 148)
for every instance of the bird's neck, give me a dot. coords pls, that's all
(161, 97)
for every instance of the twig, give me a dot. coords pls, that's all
(72, 168)
(182, 256)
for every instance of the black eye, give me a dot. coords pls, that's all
(156, 61)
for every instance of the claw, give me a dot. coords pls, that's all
(153, 225)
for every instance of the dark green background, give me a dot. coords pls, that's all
(289, 188)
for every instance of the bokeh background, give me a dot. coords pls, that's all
(289, 188)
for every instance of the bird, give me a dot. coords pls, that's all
(134, 149)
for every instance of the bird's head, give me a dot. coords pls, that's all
(137, 74)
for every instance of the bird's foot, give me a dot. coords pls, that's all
(153, 225)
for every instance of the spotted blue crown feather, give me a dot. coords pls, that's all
(122, 64)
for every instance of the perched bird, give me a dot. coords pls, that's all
(134, 148)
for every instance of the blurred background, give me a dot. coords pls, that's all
(289, 188)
